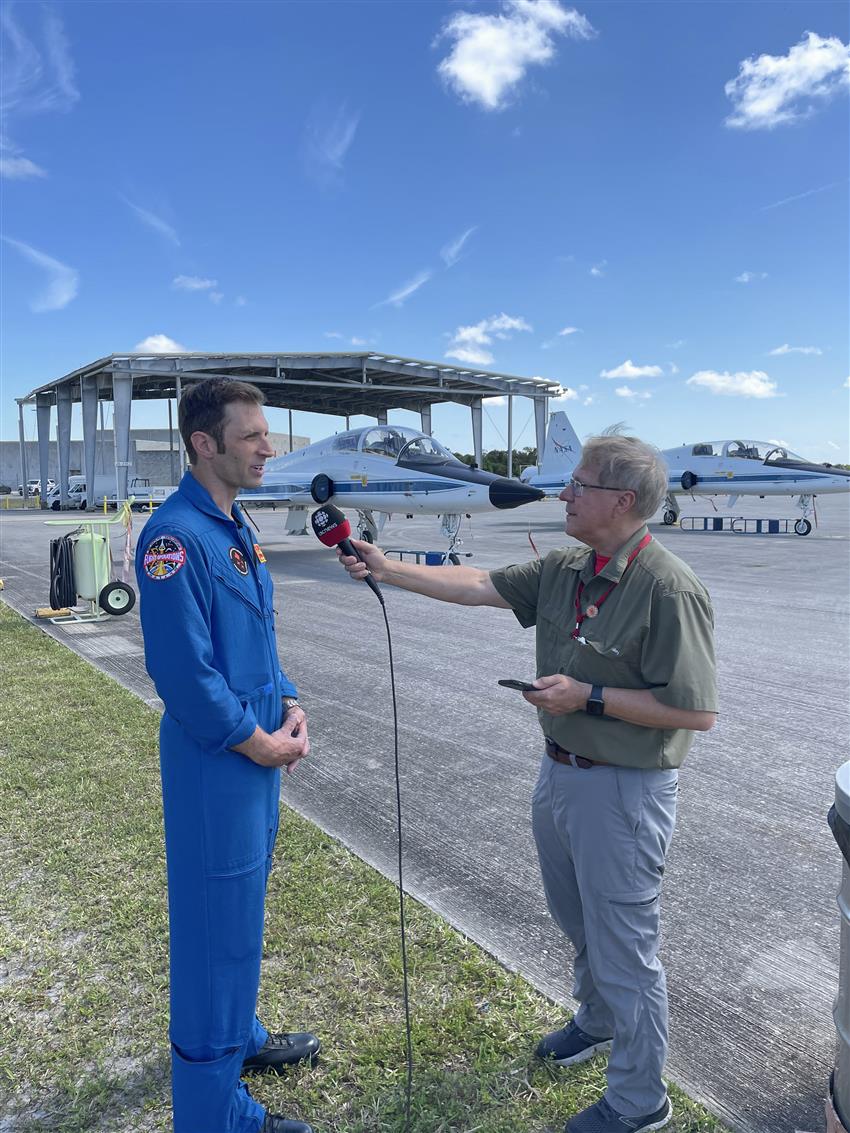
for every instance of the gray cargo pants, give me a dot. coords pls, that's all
(602, 834)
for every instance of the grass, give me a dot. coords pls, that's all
(83, 950)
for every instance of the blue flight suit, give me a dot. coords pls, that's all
(208, 624)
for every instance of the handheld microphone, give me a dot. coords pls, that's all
(333, 529)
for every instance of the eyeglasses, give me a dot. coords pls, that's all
(577, 487)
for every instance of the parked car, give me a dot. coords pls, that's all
(34, 487)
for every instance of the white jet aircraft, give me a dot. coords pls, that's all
(561, 453)
(748, 468)
(386, 469)
(709, 468)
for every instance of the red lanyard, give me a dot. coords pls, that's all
(593, 609)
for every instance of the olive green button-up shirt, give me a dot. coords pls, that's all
(655, 630)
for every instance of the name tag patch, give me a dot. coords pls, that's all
(258, 551)
(238, 560)
(163, 558)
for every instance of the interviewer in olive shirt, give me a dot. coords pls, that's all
(626, 675)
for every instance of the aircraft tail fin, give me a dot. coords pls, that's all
(563, 448)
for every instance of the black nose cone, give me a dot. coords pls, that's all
(506, 493)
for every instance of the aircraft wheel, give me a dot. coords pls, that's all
(117, 598)
(802, 527)
(366, 535)
(453, 559)
(669, 518)
(322, 488)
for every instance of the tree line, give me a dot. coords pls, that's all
(496, 460)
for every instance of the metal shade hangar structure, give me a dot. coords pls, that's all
(343, 384)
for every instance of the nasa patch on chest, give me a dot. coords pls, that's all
(238, 559)
(163, 558)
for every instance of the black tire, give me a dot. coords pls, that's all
(117, 598)
(322, 488)
(689, 480)
(802, 527)
(669, 518)
(453, 559)
(367, 536)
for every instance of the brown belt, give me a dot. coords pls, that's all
(561, 755)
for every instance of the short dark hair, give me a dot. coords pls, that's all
(203, 405)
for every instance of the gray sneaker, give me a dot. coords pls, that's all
(601, 1118)
(570, 1045)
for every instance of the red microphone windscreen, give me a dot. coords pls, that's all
(330, 526)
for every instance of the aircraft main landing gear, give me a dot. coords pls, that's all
(669, 517)
(802, 527)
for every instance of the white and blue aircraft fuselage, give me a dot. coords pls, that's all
(709, 468)
(748, 468)
(387, 469)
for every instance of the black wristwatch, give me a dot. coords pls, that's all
(595, 704)
(289, 702)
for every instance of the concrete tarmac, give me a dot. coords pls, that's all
(751, 940)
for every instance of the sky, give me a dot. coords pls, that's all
(646, 202)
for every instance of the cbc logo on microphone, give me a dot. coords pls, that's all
(322, 518)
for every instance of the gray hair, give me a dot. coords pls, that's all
(628, 462)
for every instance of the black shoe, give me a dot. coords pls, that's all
(274, 1123)
(281, 1051)
(570, 1045)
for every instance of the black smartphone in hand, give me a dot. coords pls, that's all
(520, 686)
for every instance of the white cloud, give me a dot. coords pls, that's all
(62, 284)
(20, 168)
(240, 301)
(153, 221)
(627, 391)
(847, 382)
(329, 135)
(749, 276)
(799, 196)
(397, 298)
(674, 369)
(450, 252)
(773, 89)
(566, 394)
(753, 383)
(491, 53)
(598, 270)
(786, 349)
(589, 400)
(33, 81)
(353, 341)
(216, 296)
(630, 371)
(469, 343)
(193, 283)
(158, 344)
(565, 333)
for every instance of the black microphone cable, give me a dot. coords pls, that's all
(332, 529)
(401, 910)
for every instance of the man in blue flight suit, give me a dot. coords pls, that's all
(231, 721)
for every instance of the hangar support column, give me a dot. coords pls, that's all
(122, 398)
(43, 403)
(475, 410)
(23, 444)
(382, 416)
(63, 436)
(425, 419)
(88, 401)
(541, 406)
